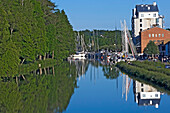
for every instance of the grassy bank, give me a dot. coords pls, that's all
(149, 71)
(26, 68)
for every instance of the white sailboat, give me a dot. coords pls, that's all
(80, 53)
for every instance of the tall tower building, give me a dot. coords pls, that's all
(145, 16)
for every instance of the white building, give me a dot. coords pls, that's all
(145, 17)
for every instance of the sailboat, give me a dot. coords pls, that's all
(80, 52)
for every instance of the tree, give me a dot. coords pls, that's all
(151, 49)
(9, 56)
(32, 28)
(168, 29)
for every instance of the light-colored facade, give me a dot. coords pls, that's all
(146, 95)
(145, 17)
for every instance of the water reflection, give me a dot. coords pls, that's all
(45, 90)
(143, 94)
(146, 95)
(55, 89)
(81, 67)
(125, 85)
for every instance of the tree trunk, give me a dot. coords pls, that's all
(22, 61)
(34, 72)
(53, 55)
(40, 57)
(11, 31)
(45, 71)
(22, 2)
(53, 71)
(23, 77)
(40, 71)
(17, 80)
(48, 70)
(45, 56)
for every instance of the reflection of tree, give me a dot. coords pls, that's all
(110, 72)
(81, 66)
(40, 93)
(10, 98)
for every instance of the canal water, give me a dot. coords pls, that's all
(105, 89)
(81, 87)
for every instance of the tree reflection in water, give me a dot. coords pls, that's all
(47, 90)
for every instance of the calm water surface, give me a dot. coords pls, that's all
(80, 87)
(105, 89)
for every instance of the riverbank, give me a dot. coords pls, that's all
(153, 72)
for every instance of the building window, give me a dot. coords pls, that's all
(162, 35)
(140, 25)
(152, 35)
(140, 30)
(142, 90)
(157, 20)
(154, 15)
(156, 35)
(156, 95)
(159, 35)
(142, 15)
(149, 35)
(144, 95)
(140, 20)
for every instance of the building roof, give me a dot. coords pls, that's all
(155, 29)
(147, 8)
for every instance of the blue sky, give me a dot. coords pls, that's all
(106, 14)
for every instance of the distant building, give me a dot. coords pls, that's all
(144, 17)
(146, 95)
(165, 49)
(158, 35)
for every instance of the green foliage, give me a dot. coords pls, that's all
(65, 36)
(32, 28)
(9, 56)
(168, 29)
(10, 98)
(39, 94)
(151, 48)
(110, 72)
(153, 67)
(27, 68)
(106, 39)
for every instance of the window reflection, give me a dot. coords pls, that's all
(146, 95)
